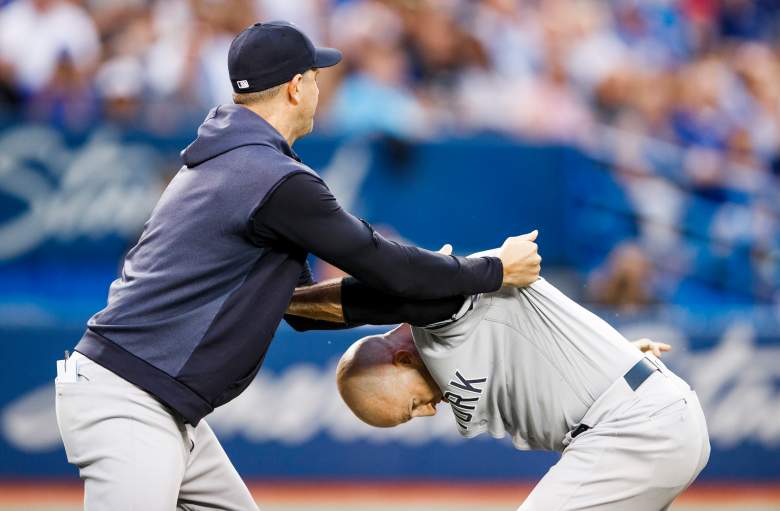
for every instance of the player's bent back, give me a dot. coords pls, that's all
(534, 364)
(545, 360)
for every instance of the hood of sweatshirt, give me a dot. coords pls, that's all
(228, 127)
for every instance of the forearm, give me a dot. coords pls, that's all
(320, 302)
(416, 274)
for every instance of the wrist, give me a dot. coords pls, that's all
(499, 274)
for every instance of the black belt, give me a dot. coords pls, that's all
(634, 377)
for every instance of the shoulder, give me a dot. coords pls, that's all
(439, 340)
(258, 158)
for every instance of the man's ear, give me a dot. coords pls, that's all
(294, 89)
(406, 358)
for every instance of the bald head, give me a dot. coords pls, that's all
(364, 379)
(384, 382)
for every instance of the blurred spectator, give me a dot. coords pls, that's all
(624, 281)
(699, 117)
(69, 102)
(34, 36)
(547, 108)
(510, 36)
(188, 58)
(308, 15)
(120, 83)
(374, 98)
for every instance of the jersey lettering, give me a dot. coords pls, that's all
(462, 418)
(457, 400)
(464, 400)
(466, 384)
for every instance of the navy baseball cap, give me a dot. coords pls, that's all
(269, 54)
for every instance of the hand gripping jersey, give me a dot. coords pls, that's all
(525, 362)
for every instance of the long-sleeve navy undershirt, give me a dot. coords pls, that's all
(364, 305)
(302, 212)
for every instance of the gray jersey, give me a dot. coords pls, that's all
(525, 362)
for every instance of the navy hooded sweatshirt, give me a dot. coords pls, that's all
(201, 294)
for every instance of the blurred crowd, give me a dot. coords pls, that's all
(696, 72)
(681, 98)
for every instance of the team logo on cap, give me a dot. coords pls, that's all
(242, 84)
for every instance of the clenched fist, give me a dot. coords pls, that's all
(521, 260)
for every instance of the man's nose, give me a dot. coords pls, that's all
(426, 411)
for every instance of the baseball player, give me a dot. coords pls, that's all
(532, 364)
(190, 319)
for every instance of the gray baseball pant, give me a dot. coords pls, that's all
(134, 454)
(644, 448)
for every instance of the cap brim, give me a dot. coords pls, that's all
(326, 57)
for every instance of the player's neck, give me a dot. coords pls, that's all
(280, 121)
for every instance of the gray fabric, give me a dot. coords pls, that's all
(534, 364)
(648, 446)
(133, 455)
(545, 358)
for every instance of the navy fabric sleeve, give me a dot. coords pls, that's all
(365, 305)
(306, 278)
(300, 324)
(303, 212)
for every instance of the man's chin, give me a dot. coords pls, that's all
(311, 127)
(302, 132)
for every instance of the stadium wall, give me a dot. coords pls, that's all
(70, 208)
